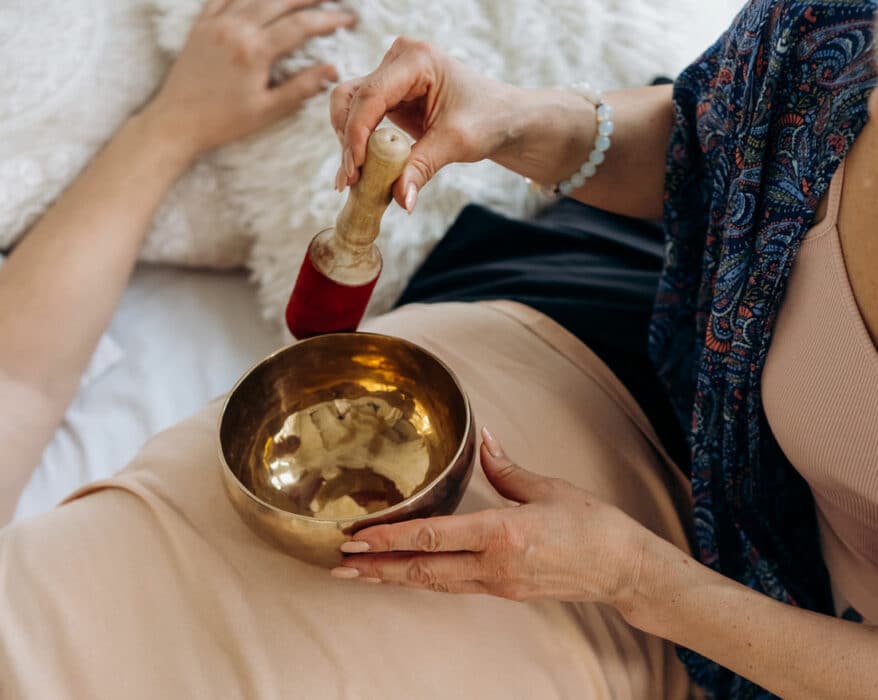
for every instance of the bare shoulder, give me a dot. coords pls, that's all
(858, 223)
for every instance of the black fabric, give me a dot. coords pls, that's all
(592, 272)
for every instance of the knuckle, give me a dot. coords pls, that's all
(485, 534)
(340, 94)
(424, 166)
(439, 587)
(498, 570)
(223, 30)
(428, 539)
(401, 43)
(371, 88)
(507, 470)
(421, 47)
(420, 574)
(340, 100)
(247, 50)
(415, 47)
(507, 538)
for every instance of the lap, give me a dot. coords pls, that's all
(149, 584)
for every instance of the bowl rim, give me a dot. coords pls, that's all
(345, 522)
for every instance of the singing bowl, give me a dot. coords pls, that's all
(342, 432)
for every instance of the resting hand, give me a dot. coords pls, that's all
(560, 543)
(455, 114)
(218, 91)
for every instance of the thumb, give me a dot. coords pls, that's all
(510, 480)
(428, 156)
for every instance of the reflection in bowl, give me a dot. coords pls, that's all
(347, 457)
(341, 432)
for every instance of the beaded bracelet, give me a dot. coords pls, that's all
(602, 144)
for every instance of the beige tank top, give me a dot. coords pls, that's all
(820, 390)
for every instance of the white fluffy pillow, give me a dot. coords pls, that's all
(281, 182)
(72, 71)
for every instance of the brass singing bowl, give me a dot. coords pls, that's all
(341, 432)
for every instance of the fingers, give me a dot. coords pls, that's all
(450, 533)
(292, 93)
(262, 12)
(213, 7)
(510, 480)
(293, 30)
(379, 93)
(340, 105)
(435, 572)
(428, 156)
(406, 87)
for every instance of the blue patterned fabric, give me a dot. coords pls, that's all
(764, 118)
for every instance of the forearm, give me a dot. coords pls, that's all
(554, 132)
(789, 651)
(61, 284)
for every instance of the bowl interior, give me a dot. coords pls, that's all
(344, 425)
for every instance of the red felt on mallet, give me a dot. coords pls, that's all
(342, 264)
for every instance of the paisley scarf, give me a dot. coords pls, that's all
(763, 120)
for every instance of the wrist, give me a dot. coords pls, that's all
(661, 572)
(553, 132)
(161, 130)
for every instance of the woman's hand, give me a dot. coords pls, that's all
(563, 544)
(559, 543)
(218, 90)
(458, 115)
(455, 114)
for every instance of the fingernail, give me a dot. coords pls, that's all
(492, 444)
(355, 547)
(371, 580)
(344, 572)
(352, 18)
(348, 161)
(341, 179)
(411, 197)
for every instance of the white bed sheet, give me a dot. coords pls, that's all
(178, 339)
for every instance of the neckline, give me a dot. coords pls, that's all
(833, 206)
(827, 231)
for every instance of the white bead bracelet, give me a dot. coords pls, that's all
(602, 144)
